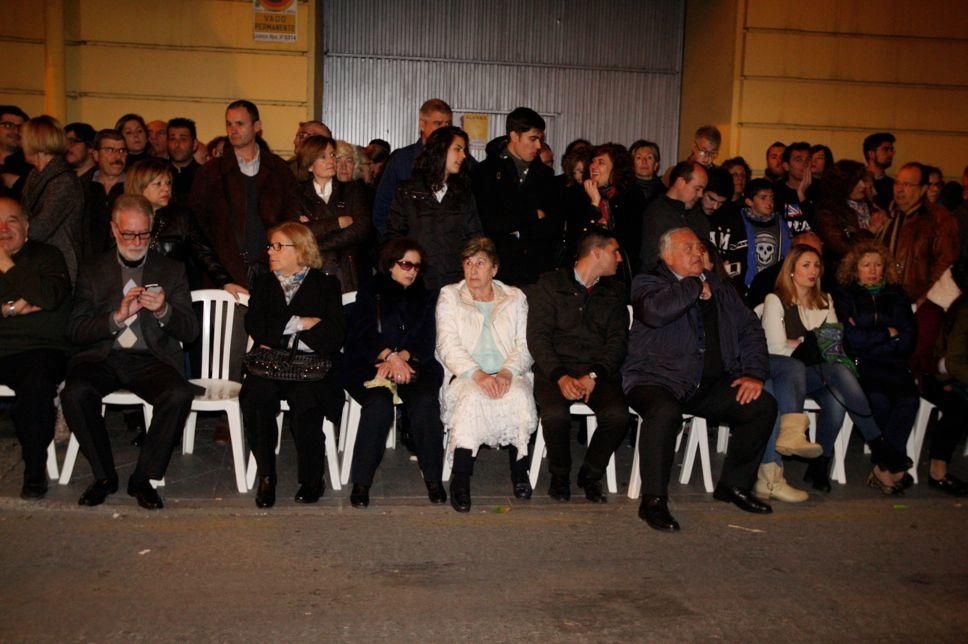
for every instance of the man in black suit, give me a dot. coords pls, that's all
(132, 308)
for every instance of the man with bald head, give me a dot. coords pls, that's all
(132, 312)
(687, 183)
(694, 348)
(35, 304)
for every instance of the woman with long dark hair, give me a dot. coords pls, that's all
(436, 207)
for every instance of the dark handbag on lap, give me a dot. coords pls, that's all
(288, 365)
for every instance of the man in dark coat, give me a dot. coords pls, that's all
(13, 166)
(517, 201)
(106, 185)
(181, 139)
(132, 310)
(242, 194)
(687, 181)
(35, 303)
(695, 348)
(577, 333)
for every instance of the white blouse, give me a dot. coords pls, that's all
(776, 337)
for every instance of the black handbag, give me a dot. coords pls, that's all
(288, 365)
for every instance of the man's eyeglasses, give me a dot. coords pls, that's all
(409, 266)
(276, 246)
(10, 125)
(703, 152)
(110, 150)
(130, 236)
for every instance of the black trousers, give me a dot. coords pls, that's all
(158, 383)
(946, 431)
(34, 376)
(308, 405)
(612, 414)
(661, 413)
(422, 404)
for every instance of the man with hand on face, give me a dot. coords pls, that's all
(132, 311)
(577, 335)
(695, 348)
(517, 201)
(791, 194)
(35, 302)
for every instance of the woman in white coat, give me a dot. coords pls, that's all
(481, 341)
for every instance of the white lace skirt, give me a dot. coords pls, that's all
(473, 419)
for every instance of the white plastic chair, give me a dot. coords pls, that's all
(577, 409)
(52, 470)
(332, 460)
(698, 441)
(221, 393)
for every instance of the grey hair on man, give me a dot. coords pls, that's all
(665, 241)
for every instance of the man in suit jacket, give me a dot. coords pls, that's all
(132, 309)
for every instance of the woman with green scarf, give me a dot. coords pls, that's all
(879, 333)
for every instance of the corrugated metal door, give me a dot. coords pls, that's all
(605, 71)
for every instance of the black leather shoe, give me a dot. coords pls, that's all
(147, 496)
(360, 496)
(97, 491)
(742, 499)
(33, 489)
(265, 493)
(949, 485)
(460, 493)
(654, 510)
(818, 473)
(560, 488)
(523, 490)
(593, 489)
(310, 492)
(436, 492)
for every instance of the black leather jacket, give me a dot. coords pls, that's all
(176, 234)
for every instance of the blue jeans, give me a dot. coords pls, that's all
(788, 384)
(837, 391)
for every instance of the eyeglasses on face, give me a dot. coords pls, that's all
(110, 150)
(277, 246)
(127, 235)
(409, 266)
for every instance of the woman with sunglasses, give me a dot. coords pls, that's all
(389, 358)
(298, 306)
(436, 207)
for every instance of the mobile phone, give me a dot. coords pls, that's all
(152, 288)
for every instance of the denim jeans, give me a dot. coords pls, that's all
(837, 391)
(788, 384)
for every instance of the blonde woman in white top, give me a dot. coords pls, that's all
(790, 316)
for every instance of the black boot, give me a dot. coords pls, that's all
(818, 473)
(460, 492)
(360, 496)
(265, 493)
(884, 454)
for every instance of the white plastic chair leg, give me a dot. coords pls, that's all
(838, 473)
(70, 459)
(332, 458)
(448, 462)
(348, 437)
(916, 439)
(722, 439)
(392, 434)
(344, 421)
(52, 469)
(812, 430)
(539, 453)
(698, 442)
(188, 436)
(238, 451)
(635, 480)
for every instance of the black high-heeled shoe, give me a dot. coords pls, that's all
(265, 494)
(360, 496)
(460, 493)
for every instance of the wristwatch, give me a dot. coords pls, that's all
(11, 307)
(593, 375)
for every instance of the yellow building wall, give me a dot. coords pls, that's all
(832, 72)
(163, 59)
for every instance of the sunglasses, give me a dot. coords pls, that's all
(409, 266)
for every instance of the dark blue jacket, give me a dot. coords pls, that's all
(398, 169)
(866, 318)
(667, 341)
(388, 316)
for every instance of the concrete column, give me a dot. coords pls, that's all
(55, 87)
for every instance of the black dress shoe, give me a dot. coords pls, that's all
(265, 494)
(310, 492)
(436, 492)
(654, 510)
(97, 491)
(949, 485)
(33, 489)
(523, 490)
(147, 496)
(460, 493)
(742, 499)
(360, 496)
(593, 488)
(560, 488)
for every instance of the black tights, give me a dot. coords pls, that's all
(464, 463)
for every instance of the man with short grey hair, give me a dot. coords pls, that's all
(132, 312)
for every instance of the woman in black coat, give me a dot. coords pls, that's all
(294, 303)
(337, 212)
(609, 198)
(436, 207)
(879, 333)
(389, 354)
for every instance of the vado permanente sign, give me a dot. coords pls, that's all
(274, 20)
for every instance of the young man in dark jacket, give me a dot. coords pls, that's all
(577, 334)
(516, 200)
(695, 348)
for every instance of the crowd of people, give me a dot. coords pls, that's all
(490, 296)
